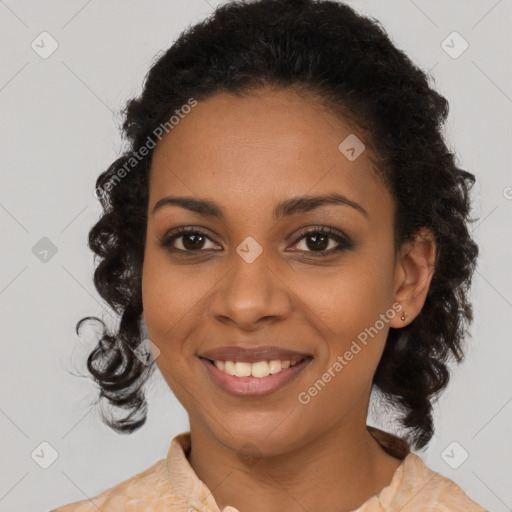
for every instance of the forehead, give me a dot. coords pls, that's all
(254, 149)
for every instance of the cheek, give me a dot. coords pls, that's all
(352, 296)
(351, 308)
(173, 298)
(166, 299)
(169, 294)
(353, 304)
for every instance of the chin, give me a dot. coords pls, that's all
(256, 439)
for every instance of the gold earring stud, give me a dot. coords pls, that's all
(403, 317)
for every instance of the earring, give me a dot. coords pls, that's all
(404, 315)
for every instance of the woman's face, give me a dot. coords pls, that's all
(247, 277)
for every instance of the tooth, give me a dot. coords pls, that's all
(229, 367)
(242, 369)
(274, 366)
(260, 369)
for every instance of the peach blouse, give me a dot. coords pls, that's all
(171, 485)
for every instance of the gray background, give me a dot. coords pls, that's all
(60, 129)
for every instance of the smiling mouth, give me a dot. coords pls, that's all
(246, 379)
(258, 369)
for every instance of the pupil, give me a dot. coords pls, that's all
(191, 246)
(318, 245)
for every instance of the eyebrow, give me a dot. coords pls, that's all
(286, 208)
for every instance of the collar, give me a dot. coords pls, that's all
(183, 479)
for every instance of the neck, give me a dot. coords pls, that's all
(298, 480)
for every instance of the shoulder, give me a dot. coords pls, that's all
(166, 485)
(424, 489)
(414, 486)
(131, 495)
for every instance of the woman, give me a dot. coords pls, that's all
(290, 232)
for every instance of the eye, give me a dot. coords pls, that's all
(189, 239)
(315, 242)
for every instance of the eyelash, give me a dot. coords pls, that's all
(344, 241)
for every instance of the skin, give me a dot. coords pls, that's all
(247, 154)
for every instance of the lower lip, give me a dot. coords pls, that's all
(254, 386)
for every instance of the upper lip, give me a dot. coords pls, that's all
(253, 354)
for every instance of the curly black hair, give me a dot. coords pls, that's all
(327, 50)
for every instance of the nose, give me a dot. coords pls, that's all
(251, 294)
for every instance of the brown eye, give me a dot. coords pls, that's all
(317, 242)
(322, 242)
(192, 241)
(187, 240)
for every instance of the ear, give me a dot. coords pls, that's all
(414, 269)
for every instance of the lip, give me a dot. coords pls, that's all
(253, 354)
(254, 386)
